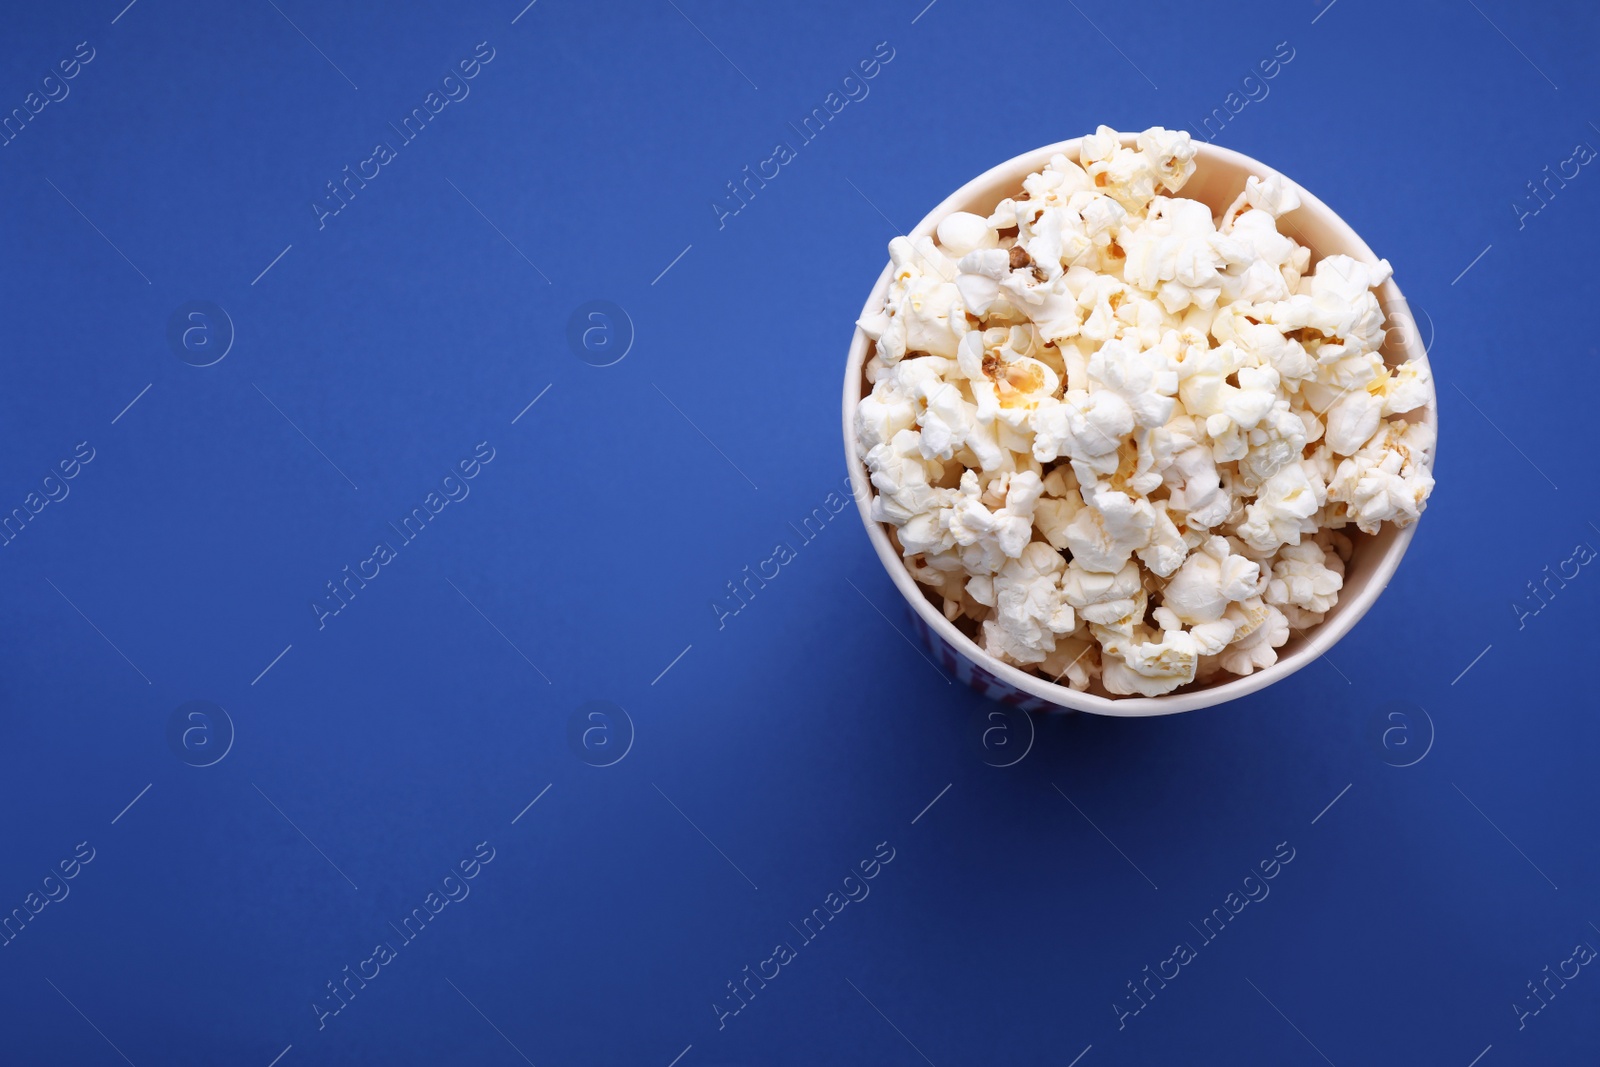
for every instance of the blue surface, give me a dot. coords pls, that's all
(550, 634)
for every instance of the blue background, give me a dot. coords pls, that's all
(779, 749)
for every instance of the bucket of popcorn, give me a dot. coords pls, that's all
(1137, 425)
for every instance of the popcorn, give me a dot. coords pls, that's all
(1259, 648)
(1165, 550)
(1151, 668)
(1100, 597)
(1282, 504)
(1352, 420)
(1076, 657)
(946, 419)
(883, 413)
(1130, 175)
(1177, 253)
(1209, 581)
(1389, 479)
(1271, 195)
(1278, 439)
(989, 537)
(1109, 530)
(978, 277)
(962, 232)
(1201, 493)
(1029, 609)
(1339, 313)
(1404, 389)
(1172, 152)
(1124, 440)
(923, 313)
(903, 479)
(1058, 507)
(1146, 381)
(1305, 583)
(1081, 426)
